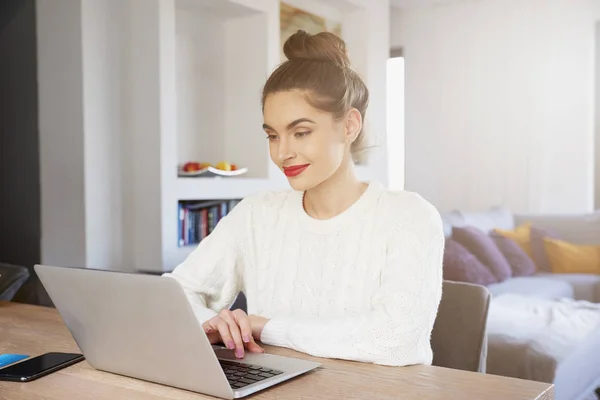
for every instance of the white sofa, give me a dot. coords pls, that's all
(580, 229)
(576, 373)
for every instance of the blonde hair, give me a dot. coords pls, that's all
(319, 65)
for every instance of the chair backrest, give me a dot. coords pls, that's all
(459, 338)
(12, 277)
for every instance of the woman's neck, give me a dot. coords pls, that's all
(335, 195)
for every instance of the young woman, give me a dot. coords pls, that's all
(333, 267)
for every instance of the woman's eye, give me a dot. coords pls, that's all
(302, 134)
(271, 137)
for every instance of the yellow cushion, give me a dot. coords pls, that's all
(521, 235)
(569, 258)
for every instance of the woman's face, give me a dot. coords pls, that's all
(307, 144)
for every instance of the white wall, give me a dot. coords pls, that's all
(395, 122)
(200, 47)
(79, 77)
(499, 103)
(152, 127)
(245, 65)
(597, 119)
(366, 32)
(375, 28)
(61, 123)
(102, 32)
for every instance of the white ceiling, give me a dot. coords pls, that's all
(420, 3)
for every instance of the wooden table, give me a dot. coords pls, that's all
(34, 330)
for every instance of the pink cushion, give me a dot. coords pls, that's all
(460, 265)
(483, 247)
(520, 263)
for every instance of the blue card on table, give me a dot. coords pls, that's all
(7, 359)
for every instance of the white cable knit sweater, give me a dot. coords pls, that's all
(364, 285)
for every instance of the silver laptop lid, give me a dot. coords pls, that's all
(136, 325)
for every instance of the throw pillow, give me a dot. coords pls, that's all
(483, 247)
(538, 247)
(462, 266)
(521, 235)
(520, 263)
(571, 258)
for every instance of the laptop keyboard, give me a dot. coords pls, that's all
(240, 375)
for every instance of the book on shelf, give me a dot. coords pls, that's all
(197, 219)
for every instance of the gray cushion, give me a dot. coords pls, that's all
(537, 286)
(585, 286)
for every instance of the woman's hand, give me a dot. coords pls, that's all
(258, 324)
(235, 330)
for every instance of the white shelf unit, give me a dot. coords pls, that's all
(222, 60)
(220, 188)
(196, 96)
(149, 84)
(225, 51)
(188, 75)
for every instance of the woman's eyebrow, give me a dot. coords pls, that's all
(291, 124)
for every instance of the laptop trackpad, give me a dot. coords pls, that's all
(224, 353)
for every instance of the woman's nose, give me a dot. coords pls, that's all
(285, 150)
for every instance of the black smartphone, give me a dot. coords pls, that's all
(35, 367)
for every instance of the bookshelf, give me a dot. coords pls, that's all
(201, 103)
(197, 219)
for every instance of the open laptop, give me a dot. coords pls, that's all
(143, 326)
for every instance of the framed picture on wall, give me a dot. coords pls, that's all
(293, 18)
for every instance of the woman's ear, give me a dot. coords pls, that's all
(353, 125)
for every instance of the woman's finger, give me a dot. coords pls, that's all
(236, 335)
(253, 347)
(246, 328)
(244, 323)
(210, 325)
(211, 330)
(223, 328)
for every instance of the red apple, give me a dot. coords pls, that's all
(191, 166)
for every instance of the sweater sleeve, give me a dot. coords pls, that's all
(211, 275)
(397, 329)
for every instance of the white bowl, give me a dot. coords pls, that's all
(211, 172)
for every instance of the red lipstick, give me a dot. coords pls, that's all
(294, 170)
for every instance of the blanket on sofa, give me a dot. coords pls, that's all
(529, 337)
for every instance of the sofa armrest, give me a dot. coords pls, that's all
(579, 228)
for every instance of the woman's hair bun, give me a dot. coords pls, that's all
(323, 46)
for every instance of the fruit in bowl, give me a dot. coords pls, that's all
(226, 166)
(193, 166)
